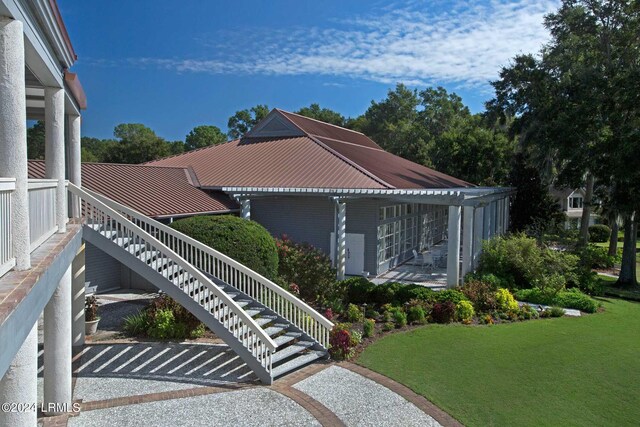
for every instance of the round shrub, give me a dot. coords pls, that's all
(505, 300)
(443, 312)
(599, 233)
(368, 328)
(481, 294)
(416, 292)
(399, 318)
(386, 292)
(358, 290)
(416, 314)
(453, 295)
(465, 311)
(342, 341)
(309, 269)
(354, 313)
(247, 242)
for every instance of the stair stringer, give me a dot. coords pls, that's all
(124, 257)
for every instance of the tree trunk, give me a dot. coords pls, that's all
(613, 240)
(628, 277)
(586, 212)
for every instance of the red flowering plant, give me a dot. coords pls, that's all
(306, 268)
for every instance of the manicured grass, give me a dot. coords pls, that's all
(566, 371)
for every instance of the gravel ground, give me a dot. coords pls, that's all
(358, 401)
(253, 407)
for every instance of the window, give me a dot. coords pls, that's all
(575, 202)
(398, 231)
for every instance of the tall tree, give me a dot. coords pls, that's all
(204, 136)
(577, 104)
(323, 114)
(243, 120)
(35, 141)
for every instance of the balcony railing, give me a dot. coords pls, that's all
(7, 260)
(42, 211)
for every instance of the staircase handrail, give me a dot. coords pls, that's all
(294, 309)
(232, 306)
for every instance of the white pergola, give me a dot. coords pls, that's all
(485, 211)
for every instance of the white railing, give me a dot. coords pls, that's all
(219, 304)
(7, 260)
(42, 211)
(233, 273)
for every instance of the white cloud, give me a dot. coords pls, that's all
(464, 46)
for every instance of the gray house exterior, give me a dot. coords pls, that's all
(341, 192)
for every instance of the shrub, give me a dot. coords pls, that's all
(572, 298)
(516, 260)
(527, 312)
(136, 324)
(505, 300)
(386, 292)
(368, 328)
(416, 292)
(416, 314)
(342, 341)
(388, 326)
(358, 290)
(354, 313)
(487, 319)
(599, 233)
(164, 318)
(481, 294)
(308, 267)
(464, 311)
(399, 318)
(245, 241)
(452, 295)
(443, 312)
(328, 313)
(552, 312)
(593, 256)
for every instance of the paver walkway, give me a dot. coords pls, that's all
(181, 384)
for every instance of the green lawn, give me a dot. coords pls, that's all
(566, 371)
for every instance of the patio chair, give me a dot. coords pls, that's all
(422, 260)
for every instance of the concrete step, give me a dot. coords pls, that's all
(254, 311)
(289, 351)
(298, 362)
(276, 329)
(264, 320)
(286, 338)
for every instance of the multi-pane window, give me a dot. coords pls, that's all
(399, 232)
(575, 202)
(434, 225)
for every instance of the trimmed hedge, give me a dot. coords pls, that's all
(571, 298)
(599, 233)
(247, 242)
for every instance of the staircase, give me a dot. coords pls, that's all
(271, 330)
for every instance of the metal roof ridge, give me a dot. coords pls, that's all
(187, 152)
(319, 121)
(352, 143)
(350, 162)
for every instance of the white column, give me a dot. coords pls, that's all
(77, 303)
(57, 344)
(467, 239)
(492, 220)
(245, 209)
(453, 253)
(20, 383)
(341, 247)
(477, 238)
(506, 214)
(486, 221)
(75, 157)
(54, 149)
(13, 134)
(499, 217)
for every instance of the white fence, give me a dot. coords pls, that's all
(7, 260)
(42, 211)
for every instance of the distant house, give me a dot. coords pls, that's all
(340, 191)
(571, 202)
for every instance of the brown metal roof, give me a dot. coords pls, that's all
(393, 170)
(153, 191)
(327, 157)
(271, 162)
(327, 130)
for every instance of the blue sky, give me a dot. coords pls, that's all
(173, 65)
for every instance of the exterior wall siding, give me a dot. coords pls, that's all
(303, 219)
(101, 270)
(362, 218)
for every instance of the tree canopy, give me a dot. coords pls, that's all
(575, 106)
(204, 136)
(243, 120)
(323, 114)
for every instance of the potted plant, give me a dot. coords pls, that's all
(91, 318)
